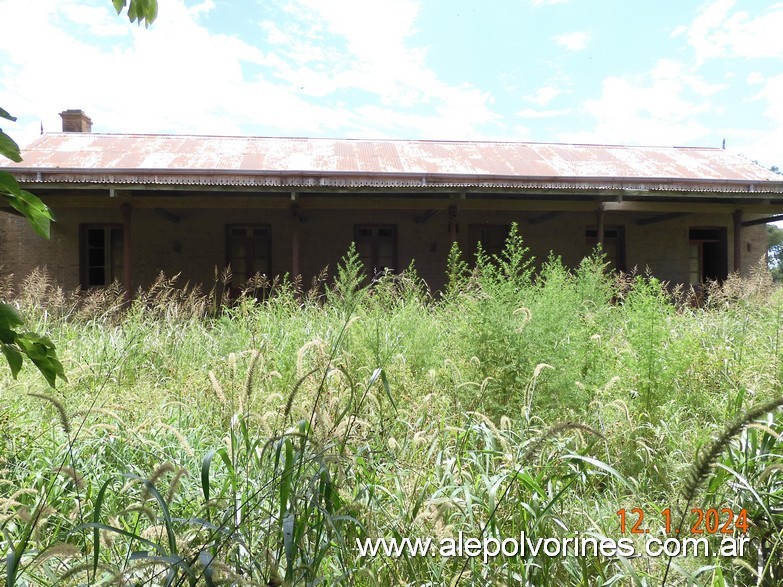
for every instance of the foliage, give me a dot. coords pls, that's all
(141, 11)
(255, 445)
(775, 251)
(13, 344)
(31, 207)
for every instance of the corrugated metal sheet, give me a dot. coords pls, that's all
(205, 160)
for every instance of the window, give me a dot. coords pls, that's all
(613, 247)
(708, 257)
(101, 254)
(248, 251)
(377, 246)
(491, 236)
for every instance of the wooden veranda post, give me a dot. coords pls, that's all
(737, 215)
(127, 251)
(453, 223)
(296, 219)
(599, 222)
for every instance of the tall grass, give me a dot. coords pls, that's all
(199, 442)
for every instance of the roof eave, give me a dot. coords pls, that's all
(305, 178)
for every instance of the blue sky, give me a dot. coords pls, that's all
(587, 71)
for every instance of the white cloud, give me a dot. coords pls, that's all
(376, 60)
(543, 96)
(667, 69)
(721, 31)
(651, 109)
(576, 41)
(177, 76)
(531, 113)
(763, 143)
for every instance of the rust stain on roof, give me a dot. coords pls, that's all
(87, 155)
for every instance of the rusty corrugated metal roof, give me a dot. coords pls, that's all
(265, 161)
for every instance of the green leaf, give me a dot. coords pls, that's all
(96, 517)
(206, 463)
(288, 542)
(14, 358)
(152, 11)
(37, 213)
(29, 205)
(4, 114)
(9, 148)
(41, 351)
(141, 11)
(9, 317)
(8, 184)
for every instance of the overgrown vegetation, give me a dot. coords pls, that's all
(198, 443)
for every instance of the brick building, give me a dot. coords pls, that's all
(130, 206)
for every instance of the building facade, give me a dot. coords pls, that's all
(131, 206)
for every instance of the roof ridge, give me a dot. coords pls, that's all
(168, 136)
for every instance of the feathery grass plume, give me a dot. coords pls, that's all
(174, 485)
(7, 504)
(77, 478)
(706, 460)
(769, 471)
(624, 409)
(316, 343)
(232, 365)
(222, 574)
(155, 532)
(141, 510)
(290, 402)
(111, 428)
(527, 315)
(254, 356)
(19, 493)
(59, 551)
(530, 388)
(506, 423)
(766, 429)
(157, 473)
(491, 426)
(554, 431)
(217, 388)
(708, 457)
(86, 568)
(144, 564)
(95, 411)
(65, 423)
(23, 513)
(181, 437)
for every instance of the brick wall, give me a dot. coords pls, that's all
(197, 243)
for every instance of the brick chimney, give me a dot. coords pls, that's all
(76, 121)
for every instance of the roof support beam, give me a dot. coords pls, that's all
(540, 219)
(166, 215)
(660, 218)
(766, 220)
(422, 218)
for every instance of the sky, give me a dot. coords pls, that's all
(632, 72)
